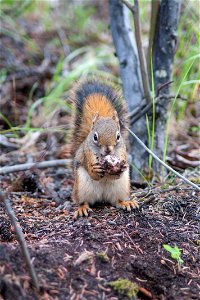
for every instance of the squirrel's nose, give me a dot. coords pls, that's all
(107, 150)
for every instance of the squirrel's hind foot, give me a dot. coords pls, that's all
(82, 211)
(127, 205)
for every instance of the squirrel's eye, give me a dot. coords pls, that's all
(95, 137)
(118, 136)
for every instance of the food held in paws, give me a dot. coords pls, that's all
(112, 164)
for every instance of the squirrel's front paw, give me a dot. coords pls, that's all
(98, 170)
(82, 211)
(127, 205)
(118, 170)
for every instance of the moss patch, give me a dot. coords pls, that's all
(102, 256)
(125, 287)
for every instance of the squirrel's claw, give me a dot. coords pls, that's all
(127, 205)
(82, 211)
(98, 169)
(124, 167)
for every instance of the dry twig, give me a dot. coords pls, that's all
(162, 86)
(142, 110)
(40, 165)
(21, 240)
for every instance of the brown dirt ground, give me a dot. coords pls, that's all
(132, 243)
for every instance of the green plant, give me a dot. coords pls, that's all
(175, 253)
(83, 61)
(8, 124)
(172, 110)
(16, 8)
(82, 15)
(11, 28)
(3, 74)
(32, 129)
(188, 47)
(188, 37)
(143, 177)
(152, 135)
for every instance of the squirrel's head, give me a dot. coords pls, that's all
(105, 137)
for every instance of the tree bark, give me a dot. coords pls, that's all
(130, 73)
(164, 48)
(163, 53)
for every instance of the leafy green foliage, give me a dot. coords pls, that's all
(81, 16)
(188, 43)
(188, 47)
(175, 253)
(16, 8)
(84, 61)
(10, 11)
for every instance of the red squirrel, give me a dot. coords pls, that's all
(100, 156)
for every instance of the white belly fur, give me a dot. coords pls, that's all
(103, 190)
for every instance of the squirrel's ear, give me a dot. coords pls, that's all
(95, 118)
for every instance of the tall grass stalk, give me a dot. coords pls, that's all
(151, 131)
(148, 131)
(153, 112)
(31, 110)
(172, 109)
(141, 175)
(34, 87)
(32, 129)
(8, 123)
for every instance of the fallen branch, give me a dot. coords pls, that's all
(136, 110)
(136, 18)
(40, 165)
(143, 111)
(137, 113)
(21, 240)
(160, 161)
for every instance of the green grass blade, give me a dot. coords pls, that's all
(171, 112)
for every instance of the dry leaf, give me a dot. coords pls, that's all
(86, 255)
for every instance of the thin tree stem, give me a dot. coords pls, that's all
(21, 240)
(143, 66)
(154, 14)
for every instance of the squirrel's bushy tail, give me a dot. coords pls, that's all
(95, 96)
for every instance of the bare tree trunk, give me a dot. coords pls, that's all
(165, 43)
(127, 54)
(163, 54)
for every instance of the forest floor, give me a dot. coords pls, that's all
(79, 259)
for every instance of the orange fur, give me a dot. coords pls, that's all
(94, 104)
